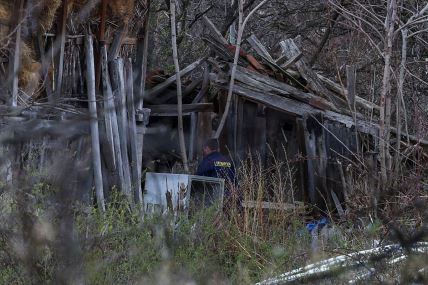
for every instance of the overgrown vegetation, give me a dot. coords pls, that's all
(45, 241)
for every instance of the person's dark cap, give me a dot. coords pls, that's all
(212, 144)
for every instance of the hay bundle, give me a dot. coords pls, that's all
(5, 12)
(29, 72)
(48, 9)
(123, 9)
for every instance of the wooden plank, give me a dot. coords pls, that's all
(290, 49)
(321, 159)
(310, 145)
(351, 81)
(264, 54)
(110, 111)
(335, 87)
(216, 33)
(96, 154)
(169, 94)
(294, 107)
(171, 109)
(118, 85)
(268, 84)
(161, 87)
(259, 47)
(193, 133)
(302, 195)
(115, 46)
(273, 205)
(194, 115)
(132, 130)
(292, 61)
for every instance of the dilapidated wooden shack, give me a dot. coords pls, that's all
(81, 74)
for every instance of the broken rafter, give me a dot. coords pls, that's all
(161, 87)
(265, 56)
(337, 88)
(291, 50)
(216, 33)
(265, 83)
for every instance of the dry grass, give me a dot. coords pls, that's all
(29, 73)
(4, 12)
(48, 9)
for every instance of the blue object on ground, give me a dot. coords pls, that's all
(317, 224)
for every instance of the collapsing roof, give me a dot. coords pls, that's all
(293, 87)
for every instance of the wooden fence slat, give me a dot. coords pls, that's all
(120, 102)
(110, 109)
(132, 130)
(96, 154)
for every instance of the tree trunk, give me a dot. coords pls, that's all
(385, 99)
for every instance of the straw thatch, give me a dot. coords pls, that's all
(48, 9)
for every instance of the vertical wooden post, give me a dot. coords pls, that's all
(14, 70)
(110, 110)
(351, 80)
(310, 145)
(101, 40)
(96, 154)
(193, 133)
(63, 29)
(194, 116)
(120, 98)
(107, 111)
(132, 129)
(144, 55)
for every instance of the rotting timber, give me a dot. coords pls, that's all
(281, 108)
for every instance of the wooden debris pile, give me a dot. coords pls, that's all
(289, 76)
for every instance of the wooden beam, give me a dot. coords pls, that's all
(273, 205)
(266, 83)
(294, 107)
(216, 33)
(335, 87)
(171, 110)
(161, 87)
(291, 50)
(267, 58)
(259, 47)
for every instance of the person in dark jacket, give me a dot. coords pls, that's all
(215, 164)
